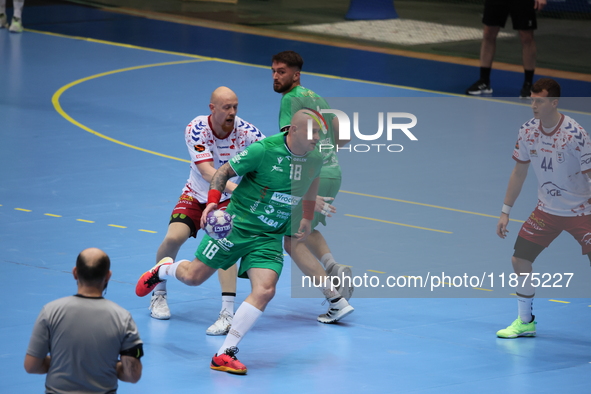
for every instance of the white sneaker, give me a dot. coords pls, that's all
(3, 22)
(159, 306)
(336, 311)
(345, 287)
(16, 26)
(221, 325)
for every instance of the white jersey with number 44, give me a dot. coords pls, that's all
(560, 160)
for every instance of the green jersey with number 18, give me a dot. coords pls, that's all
(274, 182)
(300, 97)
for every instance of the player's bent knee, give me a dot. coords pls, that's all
(526, 250)
(264, 294)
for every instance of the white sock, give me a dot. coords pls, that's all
(18, 8)
(168, 271)
(330, 294)
(228, 302)
(328, 261)
(524, 307)
(244, 319)
(161, 286)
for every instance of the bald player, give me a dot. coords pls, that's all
(280, 174)
(212, 140)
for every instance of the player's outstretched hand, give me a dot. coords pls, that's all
(210, 207)
(304, 230)
(322, 206)
(502, 225)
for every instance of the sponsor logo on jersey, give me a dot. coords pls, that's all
(254, 206)
(517, 145)
(225, 154)
(560, 158)
(279, 160)
(586, 239)
(199, 148)
(202, 155)
(552, 189)
(283, 214)
(546, 150)
(267, 221)
(585, 159)
(225, 244)
(533, 153)
(276, 168)
(269, 209)
(299, 158)
(286, 199)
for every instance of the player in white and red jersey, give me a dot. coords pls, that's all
(559, 150)
(212, 140)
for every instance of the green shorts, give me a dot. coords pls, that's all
(328, 187)
(257, 251)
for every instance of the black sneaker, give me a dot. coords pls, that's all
(525, 90)
(479, 87)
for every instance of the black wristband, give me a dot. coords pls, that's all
(136, 352)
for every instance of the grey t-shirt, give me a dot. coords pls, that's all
(84, 337)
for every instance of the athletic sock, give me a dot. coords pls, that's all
(168, 271)
(161, 286)
(18, 8)
(328, 261)
(245, 317)
(524, 307)
(228, 302)
(529, 76)
(485, 74)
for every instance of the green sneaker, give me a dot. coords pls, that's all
(519, 329)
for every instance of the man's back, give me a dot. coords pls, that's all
(85, 337)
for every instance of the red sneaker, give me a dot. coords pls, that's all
(150, 278)
(228, 362)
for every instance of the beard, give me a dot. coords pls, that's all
(280, 88)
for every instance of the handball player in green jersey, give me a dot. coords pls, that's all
(279, 174)
(286, 67)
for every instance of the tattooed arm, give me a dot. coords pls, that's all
(218, 182)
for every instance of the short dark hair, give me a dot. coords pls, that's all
(291, 58)
(91, 269)
(548, 84)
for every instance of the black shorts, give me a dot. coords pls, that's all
(522, 13)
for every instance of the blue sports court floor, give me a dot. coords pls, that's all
(92, 153)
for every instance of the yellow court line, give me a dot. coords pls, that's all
(426, 205)
(147, 231)
(207, 58)
(22, 209)
(56, 104)
(562, 302)
(480, 288)
(85, 221)
(399, 224)
(116, 225)
(377, 272)
(52, 215)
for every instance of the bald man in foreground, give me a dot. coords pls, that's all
(212, 140)
(280, 174)
(84, 343)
